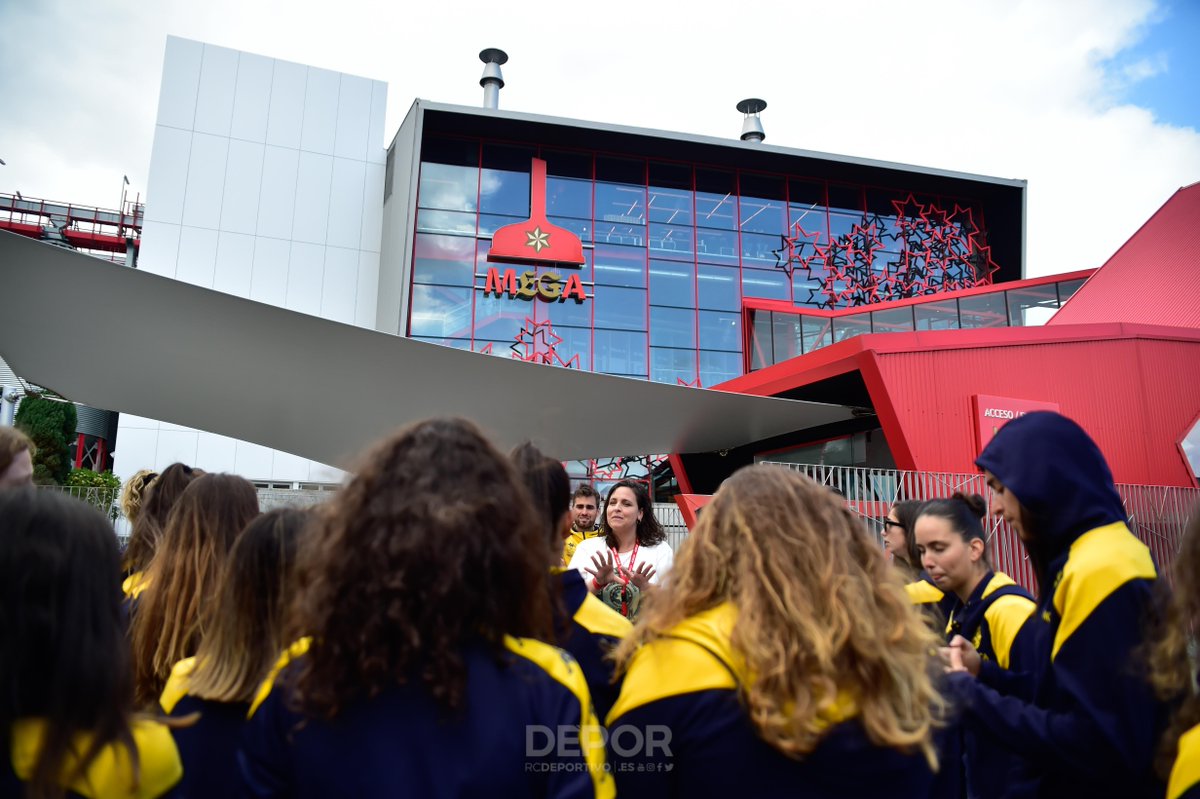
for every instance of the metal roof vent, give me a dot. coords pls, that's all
(752, 129)
(492, 81)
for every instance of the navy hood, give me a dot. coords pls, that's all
(1059, 476)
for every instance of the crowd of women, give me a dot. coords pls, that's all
(419, 635)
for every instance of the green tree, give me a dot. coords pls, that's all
(51, 425)
(98, 489)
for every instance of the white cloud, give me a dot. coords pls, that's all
(1015, 89)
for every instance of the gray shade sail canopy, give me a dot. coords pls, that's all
(319, 389)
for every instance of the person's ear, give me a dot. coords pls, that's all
(977, 547)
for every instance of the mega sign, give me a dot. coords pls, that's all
(535, 242)
(992, 413)
(548, 287)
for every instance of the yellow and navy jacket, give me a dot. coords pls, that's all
(933, 601)
(680, 729)
(526, 728)
(574, 539)
(589, 630)
(1088, 723)
(995, 619)
(208, 748)
(1185, 775)
(110, 775)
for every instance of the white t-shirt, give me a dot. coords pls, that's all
(660, 556)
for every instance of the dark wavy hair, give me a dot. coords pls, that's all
(649, 531)
(433, 545)
(906, 513)
(63, 654)
(549, 489)
(965, 514)
(160, 497)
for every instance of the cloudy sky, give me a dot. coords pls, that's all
(1095, 102)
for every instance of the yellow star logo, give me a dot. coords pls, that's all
(537, 239)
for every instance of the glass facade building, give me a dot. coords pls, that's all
(673, 249)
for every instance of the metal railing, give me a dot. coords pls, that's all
(1158, 515)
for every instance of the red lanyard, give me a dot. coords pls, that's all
(628, 569)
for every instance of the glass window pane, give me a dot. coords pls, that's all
(809, 223)
(760, 339)
(441, 312)
(672, 283)
(1028, 307)
(893, 320)
(983, 310)
(671, 241)
(816, 331)
(762, 206)
(490, 223)
(451, 222)
(1067, 289)
(717, 246)
(850, 326)
(716, 203)
(580, 227)
(455, 188)
(448, 260)
(620, 191)
(721, 330)
(499, 318)
(787, 334)
(769, 284)
(672, 366)
(569, 197)
(841, 224)
(620, 233)
(847, 199)
(576, 341)
(761, 251)
(456, 343)
(620, 308)
(718, 288)
(504, 180)
(672, 327)
(569, 312)
(620, 266)
(936, 315)
(670, 193)
(718, 367)
(620, 353)
(670, 206)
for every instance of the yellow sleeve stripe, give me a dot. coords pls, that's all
(1005, 618)
(599, 619)
(1186, 772)
(110, 774)
(177, 684)
(1100, 562)
(923, 593)
(669, 667)
(294, 651)
(563, 668)
(135, 584)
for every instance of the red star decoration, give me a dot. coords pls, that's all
(529, 337)
(693, 384)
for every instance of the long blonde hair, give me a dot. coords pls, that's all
(167, 619)
(820, 614)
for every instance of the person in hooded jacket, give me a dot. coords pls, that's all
(1087, 722)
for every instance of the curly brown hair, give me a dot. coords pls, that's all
(823, 613)
(1172, 669)
(434, 544)
(649, 531)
